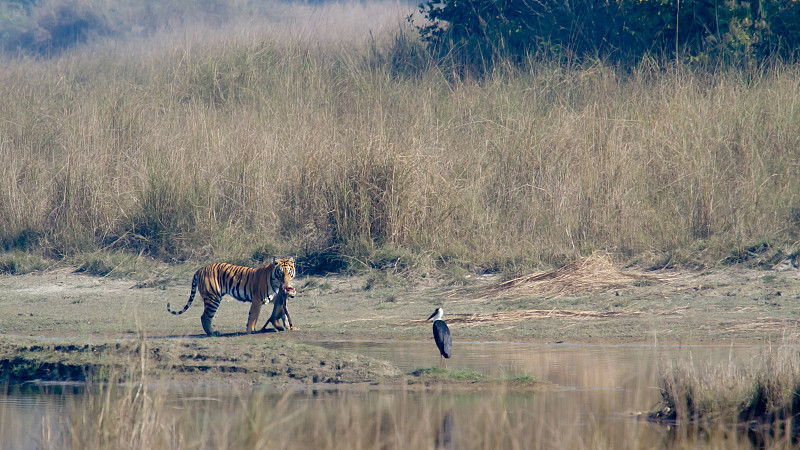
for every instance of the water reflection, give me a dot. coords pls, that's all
(598, 394)
(24, 405)
(615, 378)
(564, 364)
(444, 435)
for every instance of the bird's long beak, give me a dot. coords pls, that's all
(432, 315)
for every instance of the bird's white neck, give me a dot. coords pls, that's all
(439, 314)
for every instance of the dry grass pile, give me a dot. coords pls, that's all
(501, 317)
(589, 274)
(528, 314)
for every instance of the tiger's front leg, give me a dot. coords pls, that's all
(252, 317)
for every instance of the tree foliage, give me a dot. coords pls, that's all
(477, 33)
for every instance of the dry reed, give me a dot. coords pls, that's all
(232, 144)
(763, 399)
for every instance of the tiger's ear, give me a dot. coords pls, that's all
(274, 260)
(291, 259)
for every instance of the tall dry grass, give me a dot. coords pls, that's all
(144, 414)
(159, 417)
(135, 416)
(762, 400)
(232, 143)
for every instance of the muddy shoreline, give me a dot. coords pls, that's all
(62, 325)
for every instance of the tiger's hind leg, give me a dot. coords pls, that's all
(208, 316)
(207, 327)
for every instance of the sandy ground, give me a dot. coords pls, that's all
(62, 325)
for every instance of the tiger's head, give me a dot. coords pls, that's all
(282, 274)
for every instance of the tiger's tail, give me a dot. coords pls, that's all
(195, 279)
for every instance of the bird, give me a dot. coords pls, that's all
(441, 334)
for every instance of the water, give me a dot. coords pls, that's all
(564, 364)
(25, 405)
(596, 397)
(625, 374)
(610, 388)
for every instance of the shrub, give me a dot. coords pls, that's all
(475, 34)
(46, 28)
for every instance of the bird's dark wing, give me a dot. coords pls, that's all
(441, 334)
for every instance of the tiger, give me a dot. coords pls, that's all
(247, 284)
(279, 310)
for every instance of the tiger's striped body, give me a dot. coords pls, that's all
(247, 284)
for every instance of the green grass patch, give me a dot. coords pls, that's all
(520, 378)
(466, 375)
(115, 264)
(441, 373)
(314, 283)
(18, 262)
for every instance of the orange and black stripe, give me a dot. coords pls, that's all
(246, 284)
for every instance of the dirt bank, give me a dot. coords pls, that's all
(60, 324)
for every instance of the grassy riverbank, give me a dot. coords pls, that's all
(62, 325)
(763, 399)
(128, 163)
